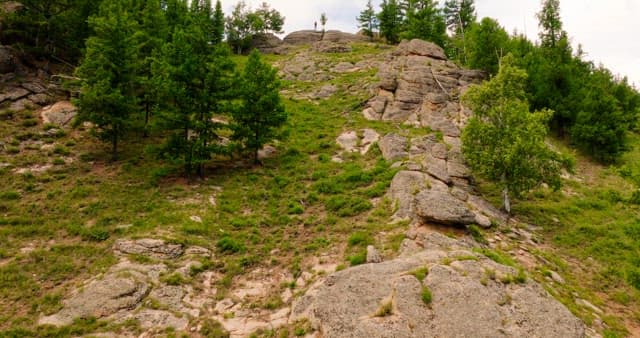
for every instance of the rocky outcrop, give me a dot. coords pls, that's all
(307, 37)
(267, 43)
(470, 296)
(330, 47)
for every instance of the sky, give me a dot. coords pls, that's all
(606, 29)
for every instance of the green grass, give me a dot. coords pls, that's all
(426, 296)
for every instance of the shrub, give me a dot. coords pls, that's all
(9, 195)
(230, 245)
(358, 259)
(345, 206)
(359, 238)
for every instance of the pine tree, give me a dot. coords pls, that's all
(504, 141)
(424, 21)
(261, 111)
(218, 24)
(390, 18)
(459, 14)
(107, 98)
(323, 21)
(487, 43)
(149, 38)
(368, 21)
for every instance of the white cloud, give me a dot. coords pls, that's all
(606, 29)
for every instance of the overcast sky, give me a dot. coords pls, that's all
(607, 29)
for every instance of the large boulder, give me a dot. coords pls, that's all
(59, 114)
(469, 299)
(100, 298)
(304, 37)
(394, 147)
(422, 48)
(266, 43)
(442, 208)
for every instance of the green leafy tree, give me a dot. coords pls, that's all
(503, 141)
(487, 43)
(243, 23)
(390, 18)
(260, 112)
(368, 21)
(425, 21)
(194, 78)
(107, 98)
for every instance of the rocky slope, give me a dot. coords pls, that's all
(418, 91)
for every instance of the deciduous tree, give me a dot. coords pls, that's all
(503, 141)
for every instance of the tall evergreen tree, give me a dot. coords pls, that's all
(390, 18)
(151, 35)
(261, 111)
(368, 21)
(424, 21)
(107, 98)
(218, 24)
(194, 78)
(487, 43)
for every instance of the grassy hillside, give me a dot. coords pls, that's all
(57, 225)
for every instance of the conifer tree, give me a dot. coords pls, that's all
(459, 14)
(194, 78)
(390, 18)
(260, 112)
(550, 23)
(368, 21)
(425, 21)
(218, 24)
(488, 42)
(107, 98)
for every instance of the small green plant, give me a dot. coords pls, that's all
(426, 296)
(359, 238)
(213, 329)
(358, 259)
(174, 279)
(29, 123)
(9, 195)
(58, 161)
(420, 273)
(13, 150)
(477, 234)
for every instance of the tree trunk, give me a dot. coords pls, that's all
(255, 156)
(146, 120)
(507, 202)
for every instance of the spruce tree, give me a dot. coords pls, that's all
(550, 23)
(488, 42)
(260, 112)
(368, 21)
(107, 98)
(459, 14)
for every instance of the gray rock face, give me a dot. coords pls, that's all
(338, 36)
(394, 147)
(154, 248)
(441, 207)
(59, 114)
(465, 302)
(373, 256)
(100, 298)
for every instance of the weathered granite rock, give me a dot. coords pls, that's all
(330, 47)
(155, 248)
(302, 37)
(441, 207)
(100, 298)
(266, 43)
(465, 303)
(394, 147)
